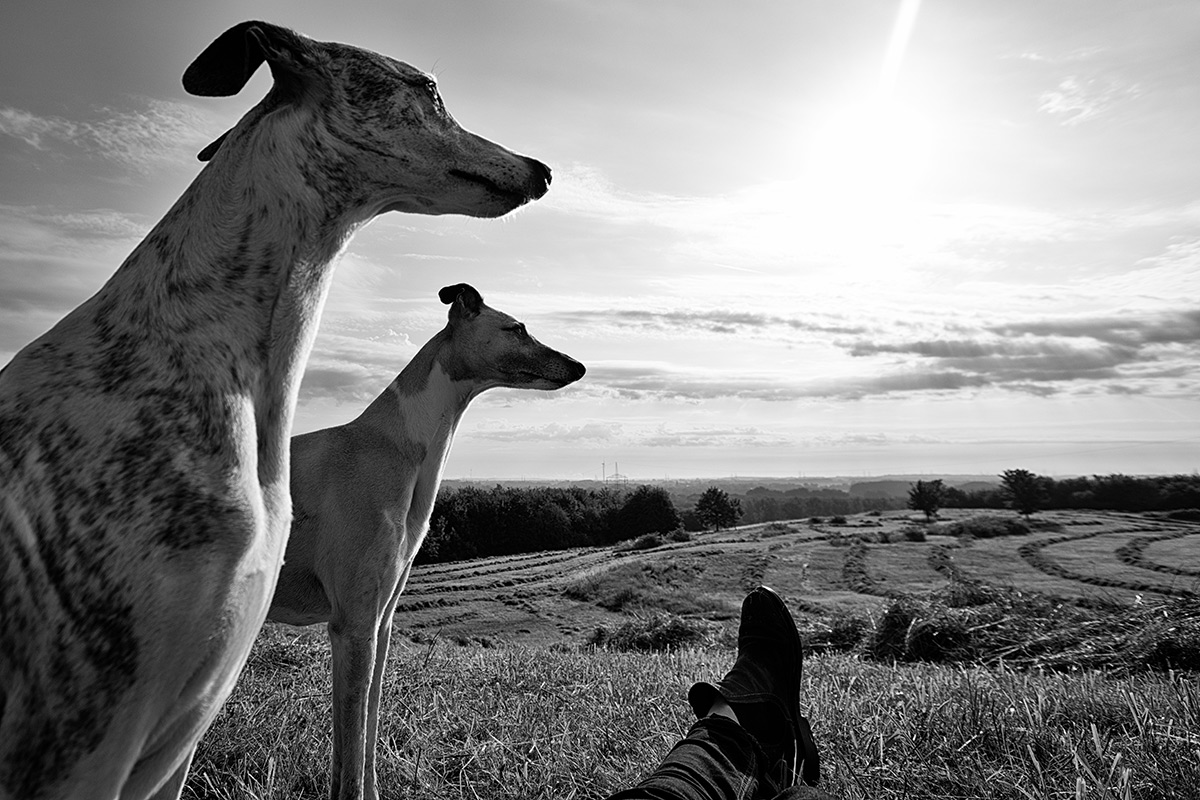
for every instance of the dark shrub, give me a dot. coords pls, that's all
(986, 527)
(645, 542)
(656, 632)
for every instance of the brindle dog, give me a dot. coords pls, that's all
(144, 505)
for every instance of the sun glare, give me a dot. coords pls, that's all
(858, 187)
(862, 166)
(868, 154)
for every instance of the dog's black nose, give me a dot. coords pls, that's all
(539, 181)
(578, 370)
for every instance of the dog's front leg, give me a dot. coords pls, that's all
(383, 643)
(353, 666)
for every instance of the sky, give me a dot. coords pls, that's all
(787, 238)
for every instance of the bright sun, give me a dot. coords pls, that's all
(875, 152)
(854, 202)
(858, 188)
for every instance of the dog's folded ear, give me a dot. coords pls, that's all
(462, 295)
(227, 64)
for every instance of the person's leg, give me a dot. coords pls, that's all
(750, 740)
(717, 760)
(763, 688)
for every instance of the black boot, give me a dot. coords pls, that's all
(763, 688)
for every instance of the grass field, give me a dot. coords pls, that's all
(493, 692)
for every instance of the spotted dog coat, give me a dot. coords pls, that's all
(144, 505)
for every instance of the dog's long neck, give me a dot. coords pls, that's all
(230, 284)
(418, 413)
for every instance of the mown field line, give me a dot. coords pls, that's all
(1034, 554)
(1133, 554)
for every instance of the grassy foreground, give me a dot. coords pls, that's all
(516, 722)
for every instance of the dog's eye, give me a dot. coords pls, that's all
(429, 88)
(517, 328)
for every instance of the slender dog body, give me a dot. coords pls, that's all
(144, 440)
(363, 495)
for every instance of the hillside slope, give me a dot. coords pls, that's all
(562, 597)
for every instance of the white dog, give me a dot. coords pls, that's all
(363, 495)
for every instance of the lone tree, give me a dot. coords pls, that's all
(927, 496)
(717, 510)
(648, 510)
(1025, 491)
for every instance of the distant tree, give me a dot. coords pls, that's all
(1025, 491)
(717, 510)
(648, 509)
(927, 496)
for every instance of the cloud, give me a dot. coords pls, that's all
(1029, 355)
(1152, 354)
(1077, 99)
(747, 436)
(52, 261)
(655, 382)
(908, 381)
(597, 432)
(1173, 327)
(138, 139)
(92, 242)
(1071, 56)
(353, 361)
(341, 381)
(611, 433)
(1005, 360)
(31, 129)
(718, 321)
(785, 227)
(649, 381)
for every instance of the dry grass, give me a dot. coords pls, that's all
(527, 723)
(648, 586)
(658, 632)
(1095, 709)
(979, 625)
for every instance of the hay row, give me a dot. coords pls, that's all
(1034, 554)
(1133, 554)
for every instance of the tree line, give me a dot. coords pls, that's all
(768, 505)
(1028, 492)
(475, 522)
